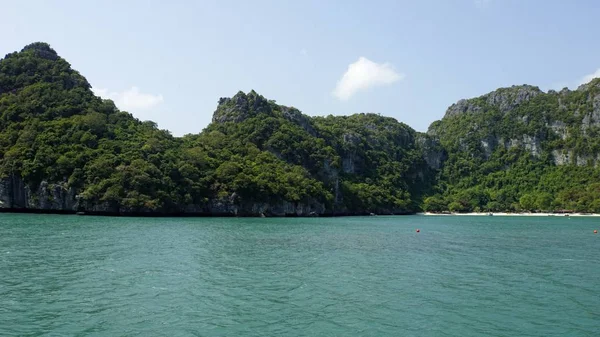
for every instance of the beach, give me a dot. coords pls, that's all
(515, 214)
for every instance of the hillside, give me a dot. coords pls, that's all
(519, 148)
(64, 149)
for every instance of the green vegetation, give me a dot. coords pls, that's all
(503, 150)
(515, 149)
(54, 130)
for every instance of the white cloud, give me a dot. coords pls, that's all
(131, 99)
(585, 79)
(364, 74)
(303, 52)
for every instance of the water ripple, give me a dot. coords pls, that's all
(88, 276)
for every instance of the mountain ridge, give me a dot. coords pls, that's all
(66, 150)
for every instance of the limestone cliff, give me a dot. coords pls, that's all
(62, 149)
(16, 195)
(345, 153)
(520, 148)
(528, 118)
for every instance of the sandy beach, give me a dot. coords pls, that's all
(516, 214)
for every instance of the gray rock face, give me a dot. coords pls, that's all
(12, 193)
(233, 206)
(560, 129)
(508, 99)
(487, 148)
(296, 117)
(562, 157)
(568, 157)
(15, 194)
(489, 145)
(504, 99)
(231, 109)
(433, 153)
(240, 107)
(285, 208)
(583, 161)
(531, 144)
(52, 197)
(596, 109)
(461, 107)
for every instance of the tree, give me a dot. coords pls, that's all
(434, 204)
(544, 201)
(527, 202)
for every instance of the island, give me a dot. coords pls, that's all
(65, 150)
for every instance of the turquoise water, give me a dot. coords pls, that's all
(360, 276)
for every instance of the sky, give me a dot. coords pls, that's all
(171, 61)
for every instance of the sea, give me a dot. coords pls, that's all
(68, 275)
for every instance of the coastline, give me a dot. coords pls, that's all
(262, 215)
(514, 214)
(195, 214)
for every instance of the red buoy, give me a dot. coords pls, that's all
(595, 231)
(418, 230)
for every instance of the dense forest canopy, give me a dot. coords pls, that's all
(256, 156)
(63, 148)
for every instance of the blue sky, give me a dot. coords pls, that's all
(171, 61)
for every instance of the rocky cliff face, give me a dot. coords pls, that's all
(232, 207)
(243, 106)
(240, 107)
(432, 151)
(504, 100)
(518, 149)
(16, 195)
(524, 117)
(65, 150)
(225, 206)
(349, 147)
(520, 117)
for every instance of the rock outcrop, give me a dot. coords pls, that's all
(240, 107)
(511, 118)
(432, 151)
(504, 99)
(65, 150)
(16, 195)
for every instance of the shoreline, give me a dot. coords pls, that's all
(193, 214)
(514, 214)
(252, 215)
